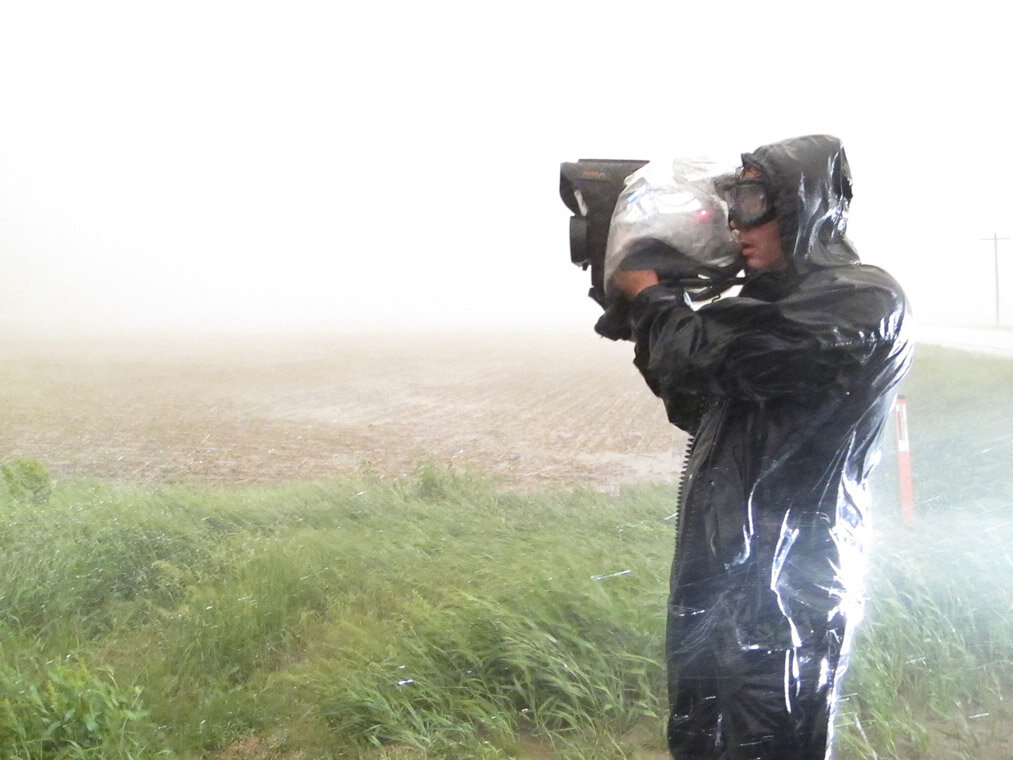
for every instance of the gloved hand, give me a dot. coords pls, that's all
(614, 324)
(647, 262)
(666, 262)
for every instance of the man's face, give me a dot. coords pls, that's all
(761, 246)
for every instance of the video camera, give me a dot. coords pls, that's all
(650, 215)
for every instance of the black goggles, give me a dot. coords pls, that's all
(750, 204)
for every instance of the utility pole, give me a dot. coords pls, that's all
(995, 243)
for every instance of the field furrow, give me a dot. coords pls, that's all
(559, 409)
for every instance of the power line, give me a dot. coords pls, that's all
(995, 243)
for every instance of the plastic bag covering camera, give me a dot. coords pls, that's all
(670, 218)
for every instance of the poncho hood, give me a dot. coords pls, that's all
(811, 183)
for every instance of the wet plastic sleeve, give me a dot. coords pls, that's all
(754, 350)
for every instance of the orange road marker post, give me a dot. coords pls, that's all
(907, 497)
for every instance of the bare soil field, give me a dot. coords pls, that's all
(529, 410)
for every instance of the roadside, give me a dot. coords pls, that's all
(995, 341)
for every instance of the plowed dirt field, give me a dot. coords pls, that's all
(563, 409)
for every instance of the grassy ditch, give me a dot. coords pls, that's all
(436, 616)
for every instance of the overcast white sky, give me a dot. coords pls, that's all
(241, 164)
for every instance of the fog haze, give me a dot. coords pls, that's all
(219, 165)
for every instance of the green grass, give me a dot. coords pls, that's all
(441, 616)
(430, 614)
(960, 411)
(933, 670)
(437, 616)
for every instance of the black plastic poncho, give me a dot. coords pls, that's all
(785, 389)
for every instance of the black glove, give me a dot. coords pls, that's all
(667, 261)
(614, 324)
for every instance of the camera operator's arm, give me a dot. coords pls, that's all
(683, 409)
(752, 349)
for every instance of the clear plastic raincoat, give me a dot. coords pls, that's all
(785, 389)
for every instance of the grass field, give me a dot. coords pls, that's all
(472, 606)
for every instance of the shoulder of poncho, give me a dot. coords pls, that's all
(850, 275)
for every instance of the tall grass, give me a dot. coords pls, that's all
(436, 616)
(433, 613)
(933, 670)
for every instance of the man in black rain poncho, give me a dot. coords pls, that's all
(785, 389)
